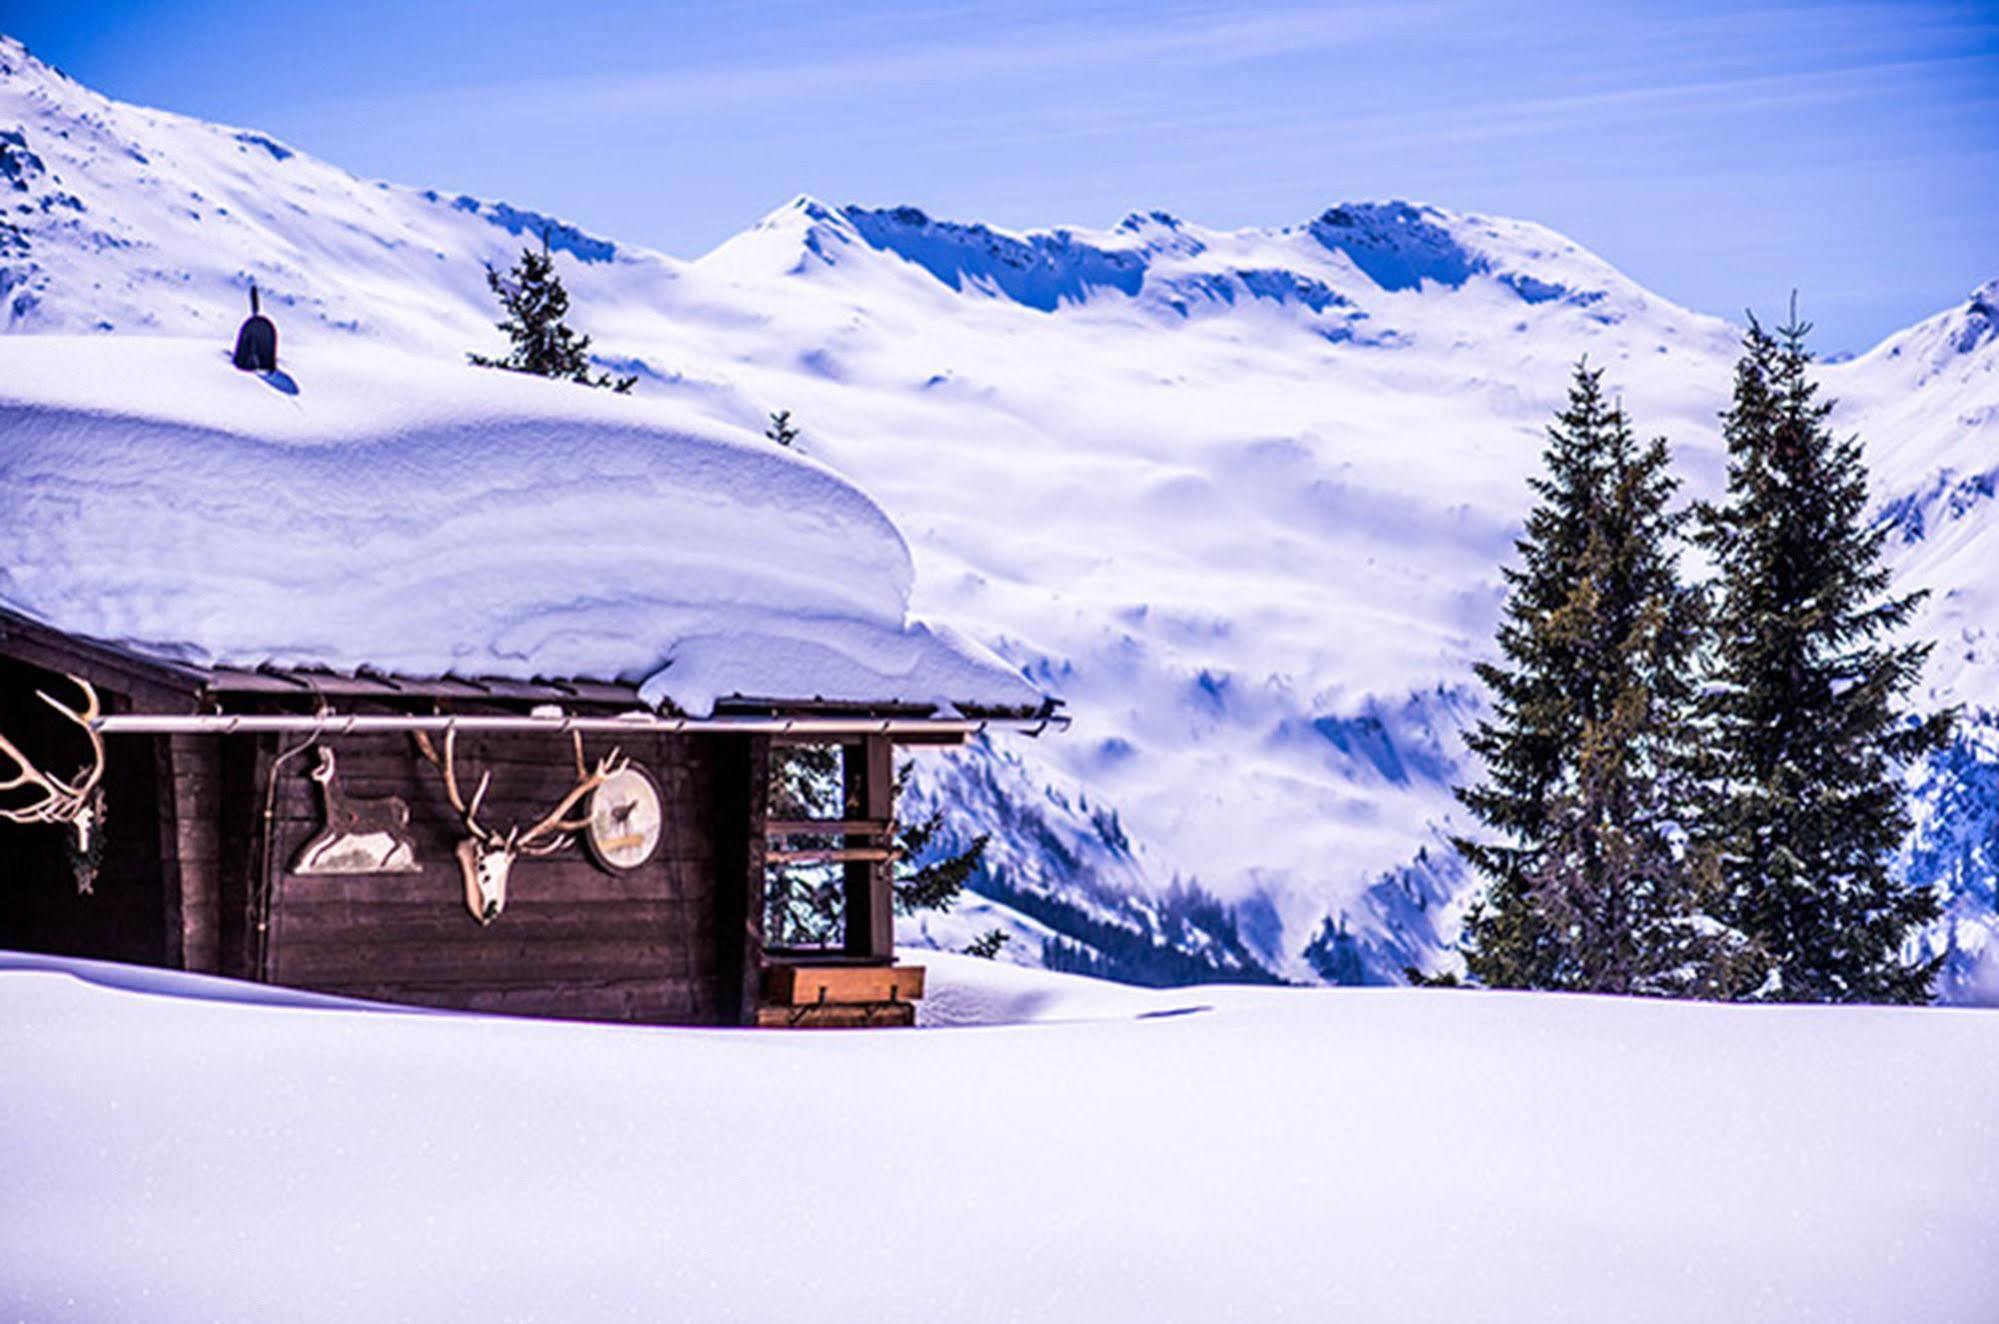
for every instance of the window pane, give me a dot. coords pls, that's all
(805, 904)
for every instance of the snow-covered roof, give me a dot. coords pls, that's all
(365, 509)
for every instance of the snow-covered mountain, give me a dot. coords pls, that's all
(1241, 497)
(1927, 400)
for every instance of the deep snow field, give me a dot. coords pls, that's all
(181, 1148)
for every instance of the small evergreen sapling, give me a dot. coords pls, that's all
(988, 944)
(544, 345)
(781, 431)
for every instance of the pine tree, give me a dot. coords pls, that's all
(543, 344)
(1587, 748)
(1534, 722)
(1615, 881)
(937, 884)
(1804, 727)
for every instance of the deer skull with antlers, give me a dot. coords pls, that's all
(77, 802)
(485, 856)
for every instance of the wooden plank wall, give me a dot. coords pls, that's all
(243, 767)
(743, 776)
(191, 817)
(125, 916)
(574, 939)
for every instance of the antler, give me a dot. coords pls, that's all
(555, 826)
(545, 837)
(61, 800)
(448, 765)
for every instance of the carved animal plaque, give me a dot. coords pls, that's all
(360, 836)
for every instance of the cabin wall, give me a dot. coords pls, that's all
(195, 876)
(191, 799)
(745, 801)
(124, 916)
(671, 941)
(241, 766)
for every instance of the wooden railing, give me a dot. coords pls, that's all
(882, 831)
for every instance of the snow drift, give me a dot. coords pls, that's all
(359, 509)
(1105, 1154)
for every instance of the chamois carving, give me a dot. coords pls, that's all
(360, 836)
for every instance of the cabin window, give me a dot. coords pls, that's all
(805, 900)
(828, 841)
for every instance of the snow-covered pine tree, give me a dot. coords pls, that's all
(1803, 728)
(1587, 748)
(543, 343)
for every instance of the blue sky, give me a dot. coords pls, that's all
(1720, 154)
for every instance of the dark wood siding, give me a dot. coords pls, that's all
(192, 812)
(574, 939)
(744, 782)
(243, 764)
(196, 872)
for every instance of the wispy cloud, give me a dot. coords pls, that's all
(1682, 100)
(1029, 49)
(1258, 131)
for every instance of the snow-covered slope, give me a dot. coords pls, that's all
(1927, 399)
(1105, 1154)
(1240, 497)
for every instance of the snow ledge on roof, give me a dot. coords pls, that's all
(363, 509)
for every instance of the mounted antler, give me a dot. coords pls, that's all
(77, 802)
(486, 856)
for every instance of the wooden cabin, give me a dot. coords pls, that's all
(507, 843)
(300, 828)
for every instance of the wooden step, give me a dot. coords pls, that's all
(813, 985)
(838, 1016)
